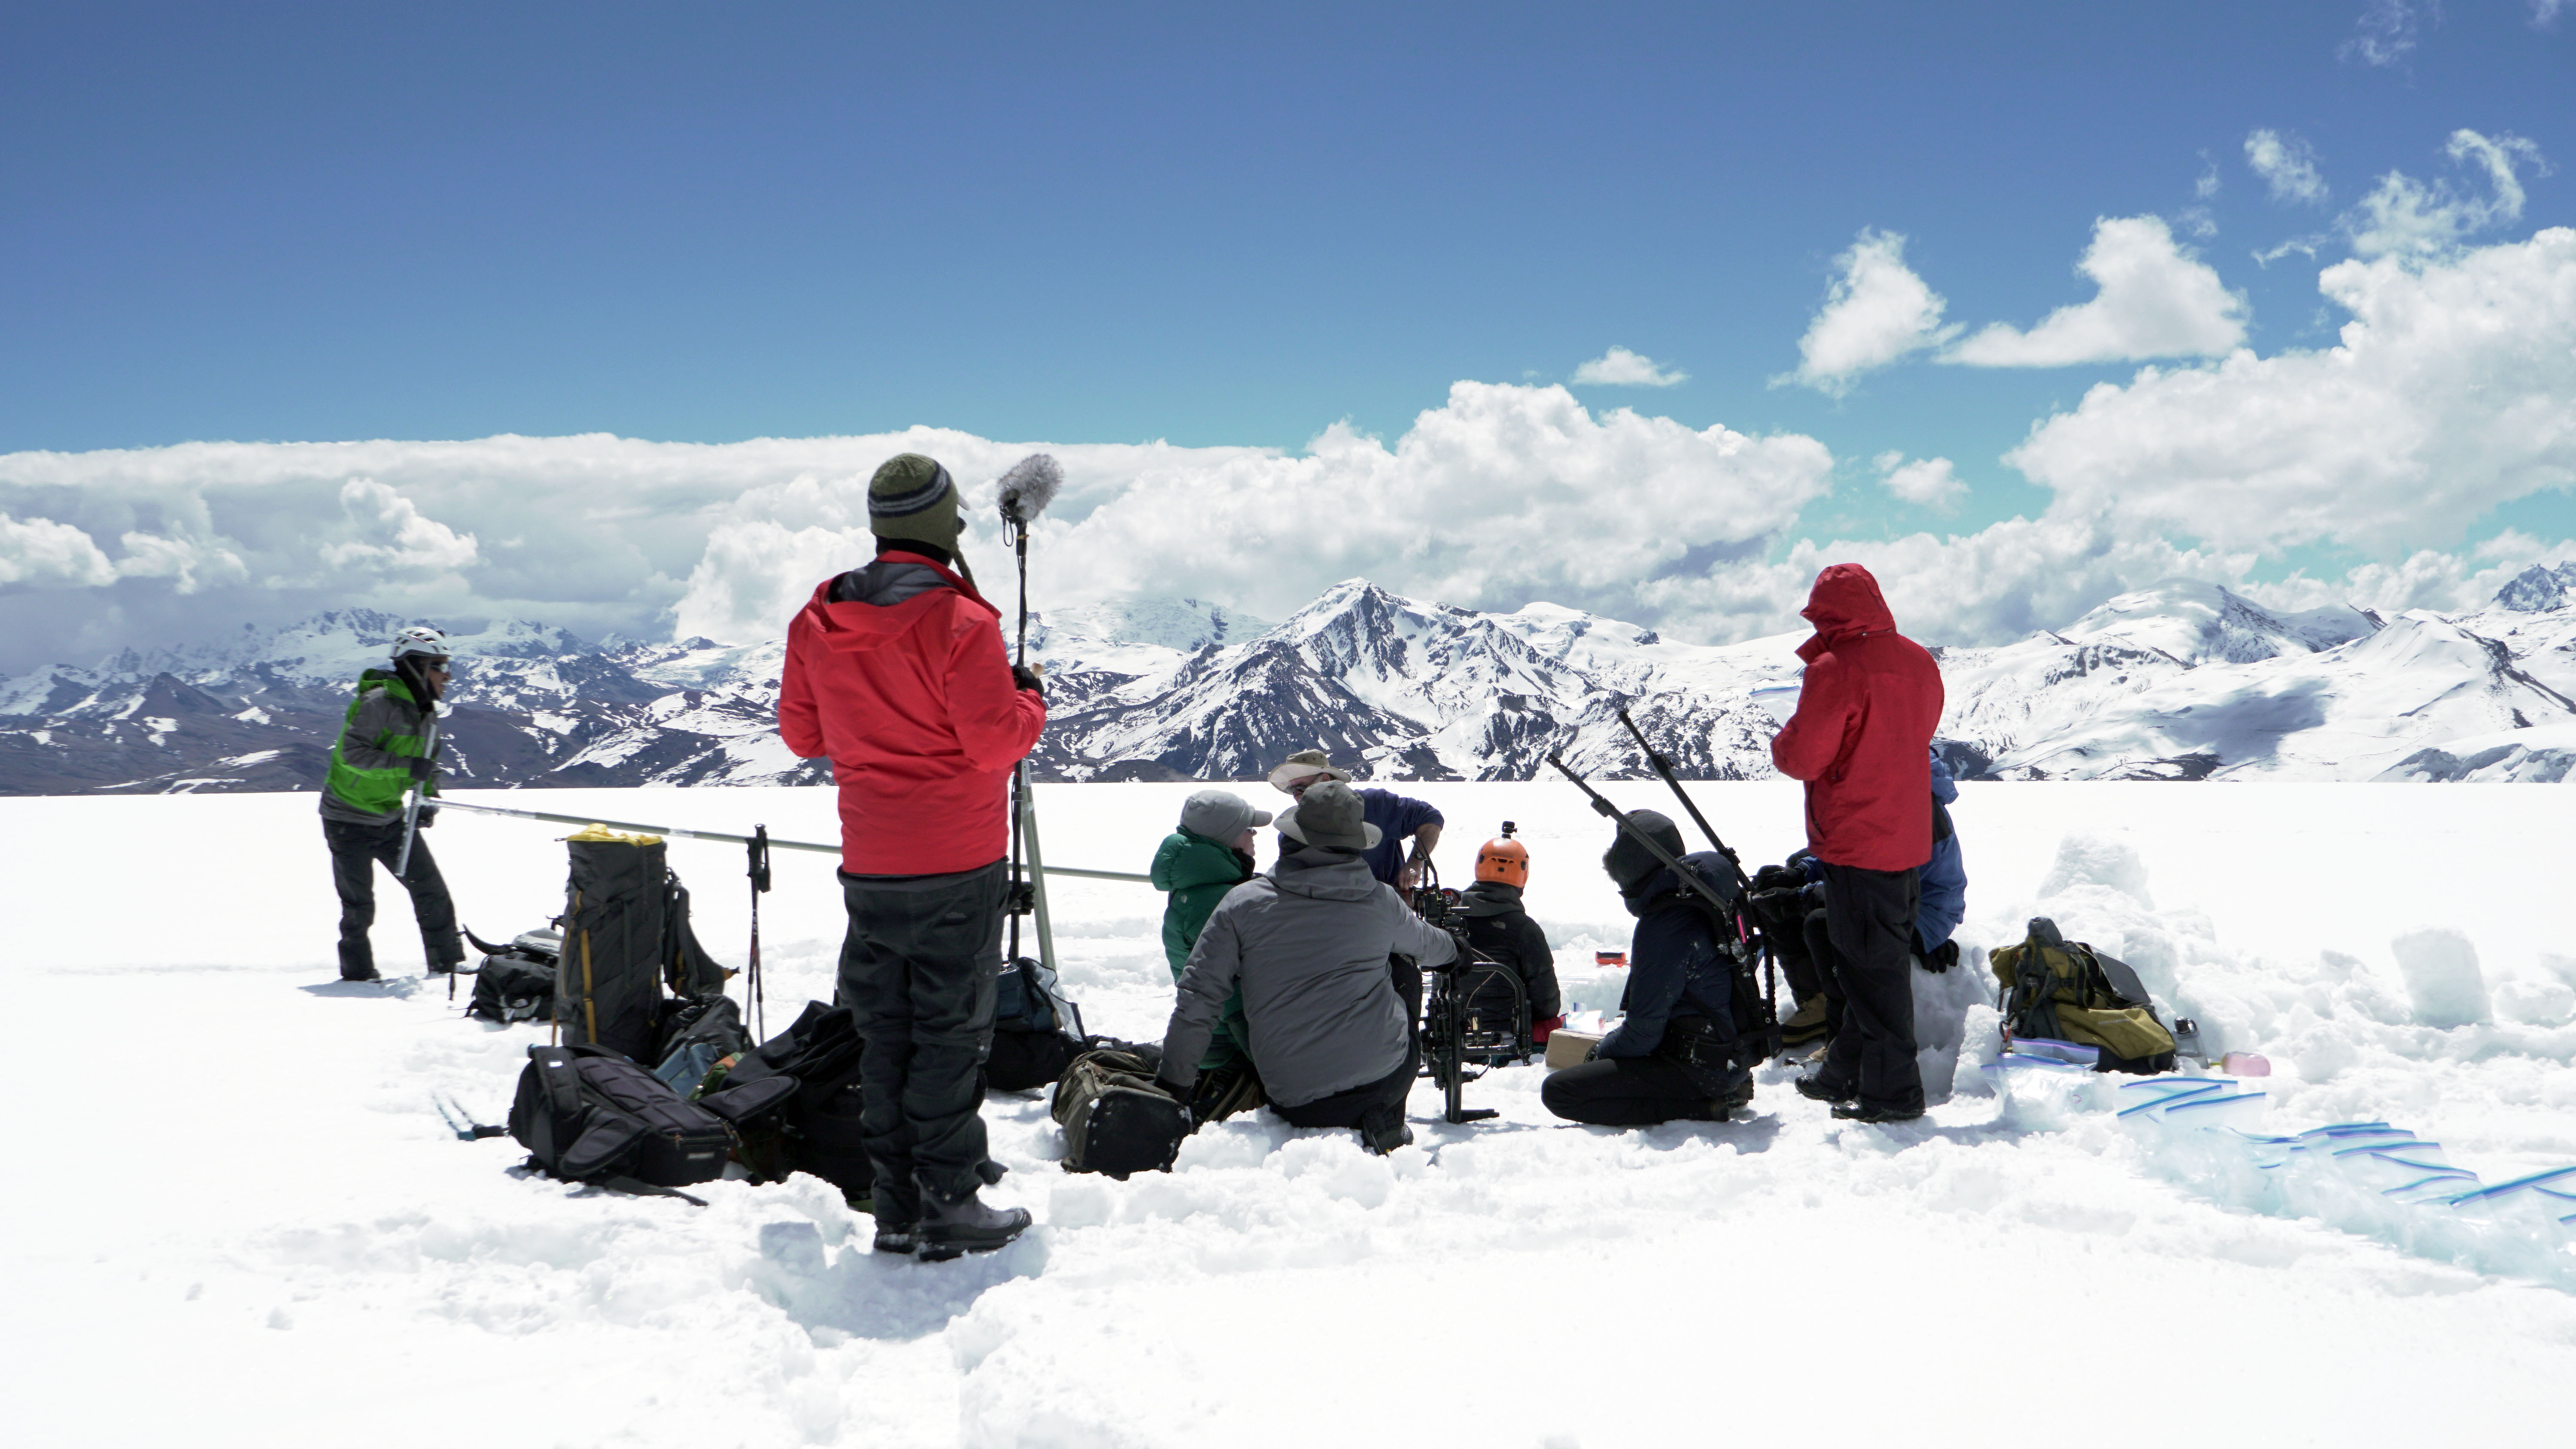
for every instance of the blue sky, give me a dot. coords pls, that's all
(1211, 225)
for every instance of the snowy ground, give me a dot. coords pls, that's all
(236, 1218)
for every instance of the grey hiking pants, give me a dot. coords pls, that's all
(918, 972)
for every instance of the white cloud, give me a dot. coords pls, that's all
(2288, 165)
(1927, 482)
(1875, 312)
(47, 554)
(1621, 368)
(2156, 300)
(2385, 34)
(2404, 216)
(2545, 12)
(2453, 389)
(387, 533)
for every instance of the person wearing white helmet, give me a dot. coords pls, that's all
(389, 740)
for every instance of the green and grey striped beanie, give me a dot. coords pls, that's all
(913, 497)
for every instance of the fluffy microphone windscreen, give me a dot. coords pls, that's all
(1030, 486)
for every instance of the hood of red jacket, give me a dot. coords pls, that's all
(857, 627)
(1844, 604)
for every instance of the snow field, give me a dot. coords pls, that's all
(262, 1208)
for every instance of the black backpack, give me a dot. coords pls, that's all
(816, 1128)
(627, 940)
(514, 984)
(586, 1114)
(1036, 1032)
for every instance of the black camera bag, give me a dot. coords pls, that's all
(1036, 1032)
(587, 1114)
(1117, 1119)
(817, 1124)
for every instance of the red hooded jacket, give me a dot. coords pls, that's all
(1860, 739)
(914, 703)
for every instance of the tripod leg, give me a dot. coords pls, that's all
(1037, 867)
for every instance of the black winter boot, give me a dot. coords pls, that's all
(904, 1238)
(951, 1225)
(1734, 1100)
(1382, 1130)
(1814, 1088)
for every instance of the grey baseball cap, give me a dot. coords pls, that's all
(1220, 814)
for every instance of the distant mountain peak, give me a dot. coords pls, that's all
(2538, 589)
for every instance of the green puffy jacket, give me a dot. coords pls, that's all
(1198, 872)
(386, 729)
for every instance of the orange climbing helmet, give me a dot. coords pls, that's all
(1503, 859)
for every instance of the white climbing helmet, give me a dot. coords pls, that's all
(421, 639)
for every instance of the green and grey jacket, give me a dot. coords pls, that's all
(370, 765)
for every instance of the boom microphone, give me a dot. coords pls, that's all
(1030, 486)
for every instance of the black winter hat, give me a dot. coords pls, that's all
(1631, 865)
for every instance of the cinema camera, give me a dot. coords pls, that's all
(1475, 1012)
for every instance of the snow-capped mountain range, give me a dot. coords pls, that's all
(2184, 681)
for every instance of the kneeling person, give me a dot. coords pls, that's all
(1669, 1059)
(1330, 1018)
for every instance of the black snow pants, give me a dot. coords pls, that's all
(1369, 1102)
(355, 850)
(1823, 975)
(1627, 1092)
(919, 969)
(1869, 927)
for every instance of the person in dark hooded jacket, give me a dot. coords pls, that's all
(1861, 739)
(1678, 1012)
(896, 672)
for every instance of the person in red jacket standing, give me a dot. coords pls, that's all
(896, 672)
(1861, 739)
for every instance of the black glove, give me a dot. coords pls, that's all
(423, 767)
(1026, 678)
(428, 817)
(1777, 877)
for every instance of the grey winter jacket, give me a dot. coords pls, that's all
(1308, 944)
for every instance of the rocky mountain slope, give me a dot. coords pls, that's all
(2184, 681)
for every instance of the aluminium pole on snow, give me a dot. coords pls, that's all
(721, 837)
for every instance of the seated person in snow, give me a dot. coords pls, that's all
(1396, 818)
(1790, 900)
(1207, 856)
(1329, 1016)
(1498, 927)
(1670, 1058)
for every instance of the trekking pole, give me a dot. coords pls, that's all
(759, 852)
(411, 807)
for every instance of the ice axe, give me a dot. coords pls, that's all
(1025, 491)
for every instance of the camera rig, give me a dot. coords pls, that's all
(1466, 1027)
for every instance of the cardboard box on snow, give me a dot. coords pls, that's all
(1568, 1048)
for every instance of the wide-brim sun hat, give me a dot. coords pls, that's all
(1302, 764)
(1330, 815)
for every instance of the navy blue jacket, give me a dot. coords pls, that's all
(1945, 877)
(1398, 816)
(1674, 968)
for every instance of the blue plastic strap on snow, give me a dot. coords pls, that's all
(2519, 1183)
(2173, 1098)
(2197, 1103)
